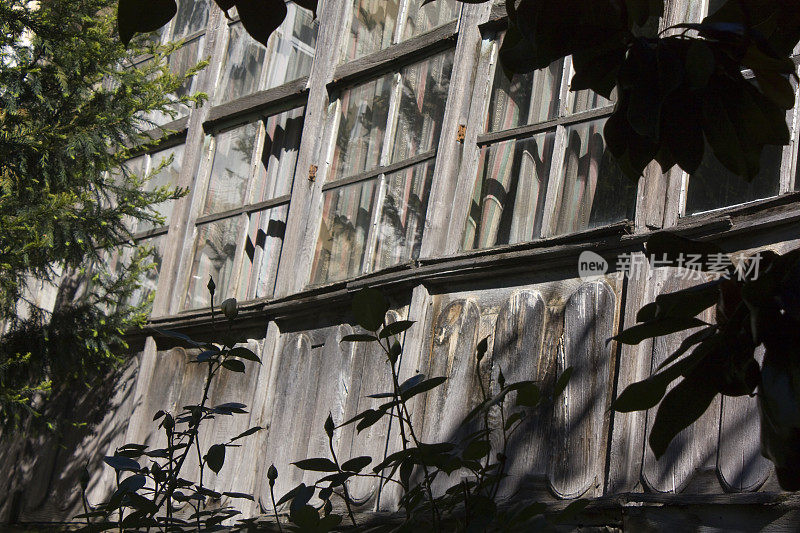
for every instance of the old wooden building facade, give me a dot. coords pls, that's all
(380, 145)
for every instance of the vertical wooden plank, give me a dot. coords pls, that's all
(287, 423)
(332, 391)
(517, 351)
(579, 449)
(692, 449)
(740, 465)
(369, 373)
(455, 336)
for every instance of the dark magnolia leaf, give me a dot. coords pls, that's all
(224, 5)
(681, 132)
(680, 408)
(233, 407)
(514, 418)
(359, 337)
(305, 517)
(419, 388)
(311, 5)
(122, 464)
(369, 308)
(239, 495)
(657, 328)
(261, 17)
(302, 496)
(158, 415)
(142, 16)
(597, 69)
(370, 419)
(380, 395)
(207, 355)
(413, 380)
(234, 365)
(329, 426)
(685, 303)
(777, 22)
(723, 136)
(642, 395)
(570, 512)
(336, 479)
(244, 353)
(394, 352)
(215, 457)
(700, 63)
(359, 416)
(247, 433)
(133, 483)
(476, 450)
(357, 464)
(329, 522)
(561, 383)
(395, 328)
(639, 11)
(528, 395)
(318, 464)
(179, 336)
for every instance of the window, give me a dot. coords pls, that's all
(543, 168)
(168, 164)
(249, 67)
(189, 23)
(373, 23)
(376, 197)
(241, 224)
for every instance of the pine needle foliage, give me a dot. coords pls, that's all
(74, 106)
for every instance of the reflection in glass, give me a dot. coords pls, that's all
(213, 255)
(713, 186)
(371, 27)
(181, 61)
(585, 100)
(281, 144)
(191, 17)
(230, 171)
(525, 98)
(425, 18)
(241, 71)
(402, 220)
(594, 192)
(149, 280)
(262, 250)
(422, 101)
(362, 125)
(510, 192)
(166, 177)
(346, 217)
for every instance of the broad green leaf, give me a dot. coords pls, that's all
(122, 464)
(369, 308)
(215, 457)
(357, 464)
(247, 433)
(234, 365)
(359, 337)
(395, 328)
(244, 353)
(319, 464)
(419, 388)
(143, 16)
(657, 328)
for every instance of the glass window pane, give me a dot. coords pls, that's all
(346, 217)
(292, 47)
(230, 171)
(213, 255)
(150, 278)
(191, 17)
(585, 100)
(166, 177)
(182, 60)
(422, 101)
(262, 250)
(594, 192)
(510, 192)
(362, 125)
(371, 27)
(243, 62)
(402, 220)
(425, 18)
(525, 98)
(275, 171)
(713, 186)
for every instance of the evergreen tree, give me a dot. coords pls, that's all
(73, 108)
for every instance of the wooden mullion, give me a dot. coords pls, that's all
(532, 129)
(387, 169)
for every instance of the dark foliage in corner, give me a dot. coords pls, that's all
(753, 307)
